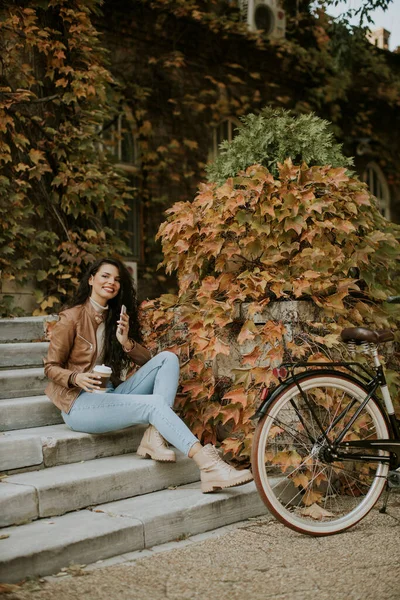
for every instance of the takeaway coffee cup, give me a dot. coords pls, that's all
(105, 373)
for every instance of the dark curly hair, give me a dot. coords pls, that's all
(113, 352)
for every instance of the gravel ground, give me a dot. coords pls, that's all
(259, 560)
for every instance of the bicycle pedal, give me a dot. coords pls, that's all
(394, 479)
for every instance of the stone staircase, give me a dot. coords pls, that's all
(68, 497)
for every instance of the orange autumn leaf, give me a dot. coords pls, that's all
(230, 444)
(300, 479)
(311, 496)
(237, 396)
(229, 413)
(248, 332)
(221, 347)
(253, 356)
(316, 512)
(287, 458)
(196, 388)
(196, 365)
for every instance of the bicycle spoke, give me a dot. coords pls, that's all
(296, 435)
(310, 490)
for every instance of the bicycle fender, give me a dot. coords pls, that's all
(262, 409)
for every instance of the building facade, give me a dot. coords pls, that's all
(189, 71)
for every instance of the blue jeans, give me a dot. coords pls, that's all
(146, 397)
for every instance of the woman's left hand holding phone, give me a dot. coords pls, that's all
(123, 327)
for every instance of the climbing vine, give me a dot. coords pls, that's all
(203, 65)
(304, 233)
(180, 67)
(58, 191)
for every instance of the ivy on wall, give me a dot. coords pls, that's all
(57, 188)
(198, 64)
(180, 67)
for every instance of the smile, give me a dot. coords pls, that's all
(108, 289)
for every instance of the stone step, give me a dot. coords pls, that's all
(18, 383)
(58, 490)
(22, 354)
(45, 447)
(45, 546)
(22, 329)
(33, 411)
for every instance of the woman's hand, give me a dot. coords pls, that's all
(123, 329)
(88, 381)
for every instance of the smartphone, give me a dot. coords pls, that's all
(123, 311)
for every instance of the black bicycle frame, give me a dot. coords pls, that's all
(337, 449)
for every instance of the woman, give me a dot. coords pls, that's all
(93, 330)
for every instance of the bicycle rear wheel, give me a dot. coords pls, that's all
(294, 474)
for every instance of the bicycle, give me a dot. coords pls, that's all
(325, 447)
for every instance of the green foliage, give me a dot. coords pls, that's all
(363, 11)
(271, 137)
(197, 65)
(58, 190)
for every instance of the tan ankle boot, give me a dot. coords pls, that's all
(154, 446)
(216, 474)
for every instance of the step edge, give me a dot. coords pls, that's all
(100, 553)
(45, 493)
(29, 371)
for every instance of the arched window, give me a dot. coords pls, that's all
(376, 180)
(119, 140)
(226, 130)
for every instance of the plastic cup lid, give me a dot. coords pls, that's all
(103, 369)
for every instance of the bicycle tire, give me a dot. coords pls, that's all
(301, 490)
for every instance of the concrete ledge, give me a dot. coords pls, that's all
(23, 501)
(64, 446)
(169, 514)
(71, 487)
(22, 329)
(60, 445)
(44, 547)
(19, 383)
(23, 354)
(33, 411)
(27, 451)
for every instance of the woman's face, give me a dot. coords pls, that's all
(105, 284)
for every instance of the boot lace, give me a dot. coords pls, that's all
(159, 438)
(213, 452)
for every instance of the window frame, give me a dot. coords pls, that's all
(114, 148)
(233, 123)
(374, 177)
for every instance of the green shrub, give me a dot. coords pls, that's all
(273, 136)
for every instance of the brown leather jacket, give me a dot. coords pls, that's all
(73, 349)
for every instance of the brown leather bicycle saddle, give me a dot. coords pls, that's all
(359, 334)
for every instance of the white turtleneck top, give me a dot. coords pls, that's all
(100, 330)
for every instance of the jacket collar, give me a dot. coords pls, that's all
(94, 315)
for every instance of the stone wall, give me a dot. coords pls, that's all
(23, 297)
(292, 314)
